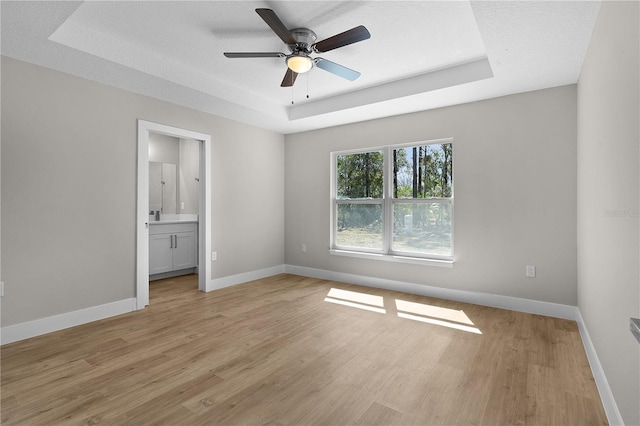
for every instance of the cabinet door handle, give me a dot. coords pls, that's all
(176, 244)
(170, 241)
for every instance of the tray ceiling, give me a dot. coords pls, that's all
(421, 54)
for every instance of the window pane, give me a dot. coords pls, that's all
(423, 171)
(423, 228)
(359, 225)
(360, 175)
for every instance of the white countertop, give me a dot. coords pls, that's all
(166, 219)
(167, 222)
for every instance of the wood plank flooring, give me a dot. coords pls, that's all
(289, 350)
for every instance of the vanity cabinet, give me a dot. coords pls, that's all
(172, 247)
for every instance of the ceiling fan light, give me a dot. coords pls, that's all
(299, 63)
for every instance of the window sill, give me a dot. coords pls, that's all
(392, 258)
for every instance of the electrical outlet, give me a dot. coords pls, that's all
(214, 255)
(530, 271)
(303, 248)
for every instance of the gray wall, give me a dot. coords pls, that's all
(608, 191)
(69, 150)
(515, 194)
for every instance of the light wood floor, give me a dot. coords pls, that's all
(274, 351)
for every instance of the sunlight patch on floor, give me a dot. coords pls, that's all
(355, 299)
(429, 314)
(436, 315)
(447, 314)
(354, 296)
(440, 322)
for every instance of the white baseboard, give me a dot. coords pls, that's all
(555, 310)
(606, 395)
(25, 330)
(244, 277)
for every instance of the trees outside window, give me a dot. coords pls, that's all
(360, 189)
(397, 200)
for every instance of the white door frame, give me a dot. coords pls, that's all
(142, 222)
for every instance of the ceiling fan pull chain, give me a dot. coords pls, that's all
(307, 86)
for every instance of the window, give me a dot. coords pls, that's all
(397, 201)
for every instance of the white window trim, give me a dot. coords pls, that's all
(427, 261)
(386, 254)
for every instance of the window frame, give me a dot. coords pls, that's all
(388, 202)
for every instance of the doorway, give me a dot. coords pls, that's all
(204, 209)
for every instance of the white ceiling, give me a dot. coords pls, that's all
(421, 54)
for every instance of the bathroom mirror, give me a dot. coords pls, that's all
(176, 162)
(163, 194)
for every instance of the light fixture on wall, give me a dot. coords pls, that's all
(299, 63)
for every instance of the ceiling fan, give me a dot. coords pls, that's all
(302, 43)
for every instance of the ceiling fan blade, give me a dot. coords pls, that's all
(351, 36)
(337, 69)
(254, 54)
(270, 17)
(289, 78)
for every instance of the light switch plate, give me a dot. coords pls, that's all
(530, 271)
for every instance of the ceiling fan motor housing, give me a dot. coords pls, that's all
(305, 38)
